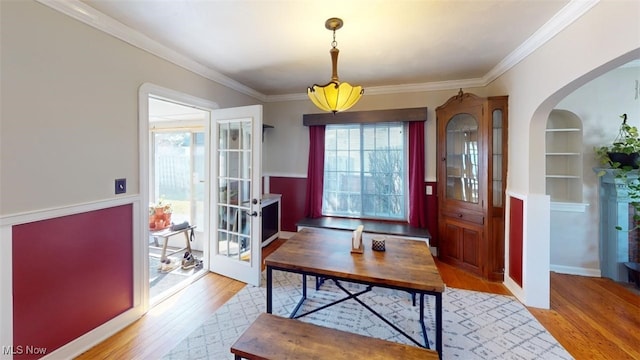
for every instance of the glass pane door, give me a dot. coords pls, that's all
(236, 233)
(234, 181)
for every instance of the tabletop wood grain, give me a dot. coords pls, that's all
(406, 264)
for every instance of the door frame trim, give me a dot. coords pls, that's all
(144, 92)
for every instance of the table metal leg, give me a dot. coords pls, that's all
(422, 325)
(439, 324)
(302, 299)
(304, 286)
(269, 289)
(354, 296)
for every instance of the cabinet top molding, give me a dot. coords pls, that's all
(462, 96)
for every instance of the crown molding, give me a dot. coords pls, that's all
(90, 16)
(395, 89)
(565, 17)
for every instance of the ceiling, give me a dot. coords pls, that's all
(276, 49)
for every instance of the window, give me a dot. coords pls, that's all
(365, 171)
(178, 172)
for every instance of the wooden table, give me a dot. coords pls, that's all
(275, 337)
(405, 265)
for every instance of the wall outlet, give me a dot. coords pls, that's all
(429, 190)
(121, 186)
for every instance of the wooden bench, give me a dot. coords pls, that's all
(275, 337)
(395, 229)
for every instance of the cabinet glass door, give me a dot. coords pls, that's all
(496, 177)
(462, 158)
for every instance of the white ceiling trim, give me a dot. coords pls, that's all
(565, 17)
(396, 89)
(88, 15)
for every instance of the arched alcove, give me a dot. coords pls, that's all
(528, 182)
(574, 221)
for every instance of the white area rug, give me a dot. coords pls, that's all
(475, 325)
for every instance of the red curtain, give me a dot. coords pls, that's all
(315, 172)
(417, 200)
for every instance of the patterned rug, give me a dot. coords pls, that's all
(475, 325)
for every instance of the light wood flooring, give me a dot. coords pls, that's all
(593, 318)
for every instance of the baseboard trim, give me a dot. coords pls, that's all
(515, 289)
(85, 342)
(286, 234)
(572, 270)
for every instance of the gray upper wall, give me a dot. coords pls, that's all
(70, 108)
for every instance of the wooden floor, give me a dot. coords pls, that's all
(592, 318)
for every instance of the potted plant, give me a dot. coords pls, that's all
(623, 155)
(159, 215)
(624, 151)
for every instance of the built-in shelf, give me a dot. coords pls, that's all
(563, 176)
(568, 206)
(563, 152)
(564, 130)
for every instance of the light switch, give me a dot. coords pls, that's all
(121, 186)
(429, 190)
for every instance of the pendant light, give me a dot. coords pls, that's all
(334, 96)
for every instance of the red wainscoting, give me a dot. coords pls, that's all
(70, 275)
(293, 192)
(515, 239)
(432, 212)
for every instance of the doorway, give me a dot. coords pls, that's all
(177, 189)
(175, 124)
(583, 120)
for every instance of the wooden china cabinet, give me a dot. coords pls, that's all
(471, 170)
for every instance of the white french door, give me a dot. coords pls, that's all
(236, 231)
